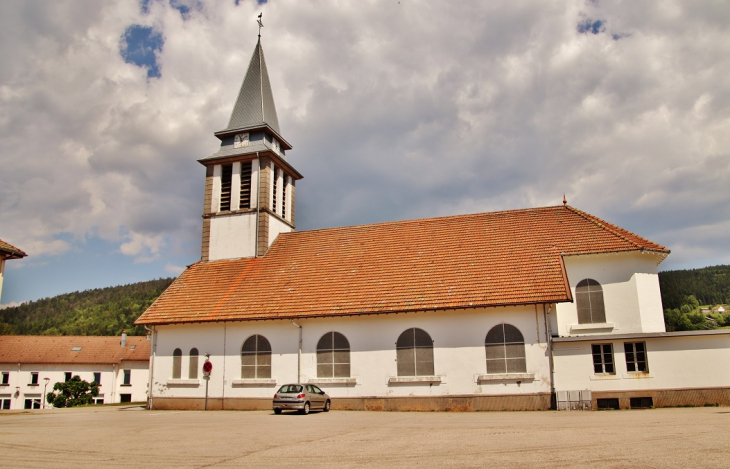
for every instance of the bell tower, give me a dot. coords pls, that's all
(249, 185)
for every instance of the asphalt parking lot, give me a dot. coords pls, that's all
(129, 437)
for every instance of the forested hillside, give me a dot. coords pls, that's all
(103, 311)
(710, 285)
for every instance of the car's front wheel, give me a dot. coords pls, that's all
(305, 409)
(277, 411)
(326, 406)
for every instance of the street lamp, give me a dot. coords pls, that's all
(45, 388)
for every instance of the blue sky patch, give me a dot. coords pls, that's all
(590, 26)
(138, 46)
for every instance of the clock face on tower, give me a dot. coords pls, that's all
(240, 140)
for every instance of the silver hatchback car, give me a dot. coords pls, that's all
(301, 397)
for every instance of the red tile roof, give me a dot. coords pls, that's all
(10, 250)
(59, 349)
(488, 259)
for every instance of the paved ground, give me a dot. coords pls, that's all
(115, 437)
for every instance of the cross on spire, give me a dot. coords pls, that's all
(261, 25)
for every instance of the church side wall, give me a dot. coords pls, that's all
(459, 361)
(631, 294)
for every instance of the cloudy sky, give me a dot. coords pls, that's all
(396, 110)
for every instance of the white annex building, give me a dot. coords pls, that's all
(31, 365)
(523, 309)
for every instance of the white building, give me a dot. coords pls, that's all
(31, 365)
(521, 309)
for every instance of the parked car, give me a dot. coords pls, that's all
(301, 397)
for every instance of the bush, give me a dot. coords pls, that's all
(73, 392)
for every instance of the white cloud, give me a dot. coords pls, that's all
(395, 110)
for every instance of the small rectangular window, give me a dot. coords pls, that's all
(5, 403)
(641, 402)
(125, 398)
(97, 377)
(608, 404)
(246, 170)
(34, 378)
(67, 376)
(33, 403)
(127, 377)
(6, 378)
(635, 357)
(603, 358)
(226, 181)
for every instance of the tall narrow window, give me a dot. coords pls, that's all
(256, 358)
(176, 363)
(6, 378)
(589, 300)
(275, 185)
(226, 177)
(414, 353)
(635, 357)
(127, 377)
(505, 349)
(246, 168)
(193, 370)
(333, 356)
(34, 378)
(97, 378)
(67, 376)
(283, 198)
(603, 359)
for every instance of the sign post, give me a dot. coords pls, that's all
(207, 368)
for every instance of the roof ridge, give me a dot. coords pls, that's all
(415, 220)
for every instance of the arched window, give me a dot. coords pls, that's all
(256, 358)
(505, 350)
(193, 370)
(589, 300)
(176, 363)
(414, 352)
(333, 356)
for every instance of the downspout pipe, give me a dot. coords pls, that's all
(549, 338)
(152, 365)
(299, 353)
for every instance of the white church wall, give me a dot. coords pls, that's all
(673, 363)
(233, 236)
(459, 354)
(630, 291)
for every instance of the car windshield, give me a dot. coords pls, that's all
(287, 388)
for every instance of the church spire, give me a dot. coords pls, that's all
(255, 104)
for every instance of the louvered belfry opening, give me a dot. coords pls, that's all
(246, 170)
(283, 198)
(226, 180)
(275, 186)
(589, 301)
(414, 353)
(333, 356)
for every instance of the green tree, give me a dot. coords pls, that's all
(73, 392)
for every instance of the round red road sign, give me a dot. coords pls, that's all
(207, 367)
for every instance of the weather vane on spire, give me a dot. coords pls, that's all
(261, 25)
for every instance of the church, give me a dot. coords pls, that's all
(530, 309)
